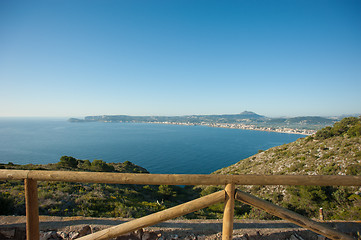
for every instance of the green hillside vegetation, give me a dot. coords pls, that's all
(88, 199)
(103, 200)
(331, 151)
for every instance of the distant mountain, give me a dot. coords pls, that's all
(249, 114)
(242, 115)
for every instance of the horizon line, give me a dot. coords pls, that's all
(183, 115)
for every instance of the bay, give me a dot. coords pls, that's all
(158, 148)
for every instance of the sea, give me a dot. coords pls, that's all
(159, 148)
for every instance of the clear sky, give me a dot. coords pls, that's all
(277, 58)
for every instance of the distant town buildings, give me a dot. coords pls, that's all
(246, 127)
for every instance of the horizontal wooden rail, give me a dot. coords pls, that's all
(180, 179)
(290, 216)
(158, 217)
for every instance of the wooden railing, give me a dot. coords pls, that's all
(228, 195)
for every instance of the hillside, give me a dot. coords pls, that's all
(332, 150)
(313, 155)
(90, 199)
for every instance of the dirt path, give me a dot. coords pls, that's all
(202, 229)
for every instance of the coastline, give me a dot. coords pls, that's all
(244, 127)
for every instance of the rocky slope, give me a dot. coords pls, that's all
(331, 151)
(307, 156)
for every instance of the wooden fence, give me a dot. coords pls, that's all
(228, 196)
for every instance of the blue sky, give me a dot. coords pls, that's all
(276, 58)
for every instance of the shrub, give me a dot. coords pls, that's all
(354, 169)
(6, 204)
(68, 162)
(101, 166)
(84, 164)
(355, 131)
(167, 191)
(324, 133)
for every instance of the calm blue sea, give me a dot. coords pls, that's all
(158, 148)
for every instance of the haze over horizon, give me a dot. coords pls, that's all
(167, 58)
(241, 113)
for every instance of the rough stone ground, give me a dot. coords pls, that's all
(182, 229)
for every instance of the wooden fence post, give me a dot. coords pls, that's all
(228, 212)
(32, 209)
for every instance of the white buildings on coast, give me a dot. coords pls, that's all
(246, 127)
